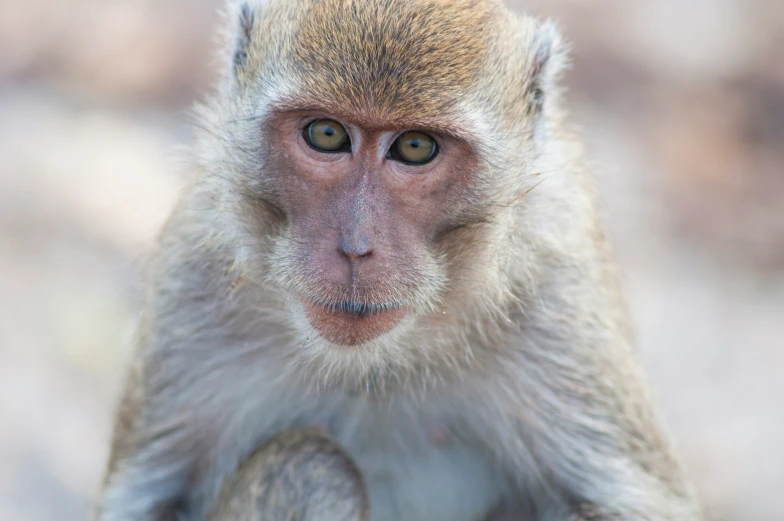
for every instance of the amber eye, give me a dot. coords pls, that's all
(326, 135)
(414, 148)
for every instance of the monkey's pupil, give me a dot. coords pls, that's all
(329, 131)
(414, 143)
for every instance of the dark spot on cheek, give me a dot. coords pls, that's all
(461, 219)
(443, 190)
(443, 232)
(436, 194)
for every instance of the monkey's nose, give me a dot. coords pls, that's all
(355, 248)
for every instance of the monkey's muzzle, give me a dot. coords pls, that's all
(350, 323)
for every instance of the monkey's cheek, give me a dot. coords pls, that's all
(346, 329)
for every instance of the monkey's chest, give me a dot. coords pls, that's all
(415, 471)
(447, 484)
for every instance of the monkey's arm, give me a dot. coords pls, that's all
(164, 428)
(301, 475)
(598, 456)
(152, 458)
(587, 425)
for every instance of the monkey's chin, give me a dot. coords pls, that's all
(351, 324)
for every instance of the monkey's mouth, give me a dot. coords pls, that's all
(350, 323)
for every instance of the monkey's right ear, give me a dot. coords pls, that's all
(246, 19)
(242, 18)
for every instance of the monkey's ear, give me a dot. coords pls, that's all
(246, 21)
(242, 18)
(549, 58)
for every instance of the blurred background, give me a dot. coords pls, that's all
(681, 103)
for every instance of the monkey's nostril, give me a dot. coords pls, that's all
(354, 255)
(355, 250)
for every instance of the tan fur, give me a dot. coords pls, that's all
(385, 58)
(510, 389)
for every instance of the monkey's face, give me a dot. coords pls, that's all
(388, 137)
(367, 205)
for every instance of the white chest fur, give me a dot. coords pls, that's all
(417, 460)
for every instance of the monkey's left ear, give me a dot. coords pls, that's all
(548, 61)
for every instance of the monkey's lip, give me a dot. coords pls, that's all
(350, 323)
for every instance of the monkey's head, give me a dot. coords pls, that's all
(374, 150)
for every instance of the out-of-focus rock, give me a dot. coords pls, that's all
(723, 155)
(135, 51)
(109, 175)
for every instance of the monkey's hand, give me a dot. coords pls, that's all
(301, 475)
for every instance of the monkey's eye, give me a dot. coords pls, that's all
(414, 148)
(326, 135)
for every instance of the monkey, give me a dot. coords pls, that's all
(386, 293)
